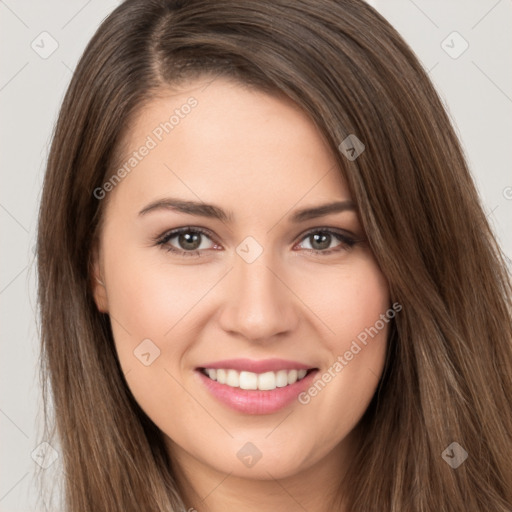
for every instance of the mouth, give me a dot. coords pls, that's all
(256, 387)
(266, 381)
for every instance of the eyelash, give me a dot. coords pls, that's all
(163, 240)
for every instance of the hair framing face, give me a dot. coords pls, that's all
(449, 367)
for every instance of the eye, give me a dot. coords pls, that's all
(193, 241)
(326, 241)
(186, 241)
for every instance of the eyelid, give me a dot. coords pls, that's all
(164, 238)
(346, 238)
(328, 229)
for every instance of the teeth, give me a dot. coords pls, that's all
(282, 378)
(233, 379)
(292, 376)
(221, 376)
(267, 381)
(248, 380)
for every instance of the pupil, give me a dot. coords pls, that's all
(189, 240)
(322, 240)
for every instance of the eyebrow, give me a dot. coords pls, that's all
(215, 212)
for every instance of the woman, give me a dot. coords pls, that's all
(266, 280)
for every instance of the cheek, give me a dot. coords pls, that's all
(355, 306)
(157, 313)
(346, 299)
(150, 299)
(149, 305)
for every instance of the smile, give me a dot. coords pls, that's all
(256, 387)
(250, 380)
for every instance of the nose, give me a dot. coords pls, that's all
(259, 305)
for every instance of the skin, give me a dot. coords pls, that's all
(260, 158)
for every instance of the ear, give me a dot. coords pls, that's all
(99, 289)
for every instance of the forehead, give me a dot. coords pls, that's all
(222, 141)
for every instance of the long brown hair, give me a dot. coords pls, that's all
(449, 362)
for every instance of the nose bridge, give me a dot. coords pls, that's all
(258, 304)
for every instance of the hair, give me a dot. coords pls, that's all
(448, 373)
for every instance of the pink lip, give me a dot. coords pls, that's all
(256, 401)
(262, 366)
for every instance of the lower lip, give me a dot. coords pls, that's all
(254, 401)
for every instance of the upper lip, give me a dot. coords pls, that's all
(257, 366)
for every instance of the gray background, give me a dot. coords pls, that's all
(476, 87)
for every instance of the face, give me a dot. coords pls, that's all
(251, 331)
